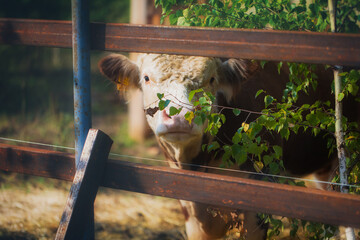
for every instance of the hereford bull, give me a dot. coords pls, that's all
(235, 83)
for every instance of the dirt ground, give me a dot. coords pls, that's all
(34, 213)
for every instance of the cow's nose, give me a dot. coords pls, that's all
(178, 119)
(165, 116)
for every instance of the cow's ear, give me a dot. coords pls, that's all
(120, 70)
(234, 73)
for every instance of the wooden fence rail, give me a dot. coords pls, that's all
(325, 48)
(284, 200)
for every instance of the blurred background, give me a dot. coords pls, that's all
(36, 105)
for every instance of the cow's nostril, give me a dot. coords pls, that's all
(165, 115)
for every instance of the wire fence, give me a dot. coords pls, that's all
(143, 159)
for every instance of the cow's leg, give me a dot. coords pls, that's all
(201, 224)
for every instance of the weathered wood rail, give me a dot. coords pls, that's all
(284, 200)
(310, 47)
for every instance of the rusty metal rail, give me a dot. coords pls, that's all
(325, 48)
(284, 200)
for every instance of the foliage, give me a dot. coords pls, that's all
(282, 14)
(281, 116)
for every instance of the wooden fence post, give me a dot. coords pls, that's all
(85, 185)
(141, 12)
(136, 118)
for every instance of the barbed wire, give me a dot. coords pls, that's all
(189, 164)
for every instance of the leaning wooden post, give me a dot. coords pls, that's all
(339, 134)
(88, 177)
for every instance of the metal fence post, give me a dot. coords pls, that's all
(81, 75)
(81, 71)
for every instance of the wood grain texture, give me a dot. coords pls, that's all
(283, 200)
(85, 185)
(309, 47)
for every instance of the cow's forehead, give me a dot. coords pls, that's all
(177, 67)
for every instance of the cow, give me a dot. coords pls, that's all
(234, 82)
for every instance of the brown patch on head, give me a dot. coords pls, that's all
(120, 70)
(240, 68)
(234, 73)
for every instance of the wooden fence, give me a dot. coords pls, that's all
(309, 204)
(326, 48)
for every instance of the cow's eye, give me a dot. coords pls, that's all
(212, 80)
(146, 78)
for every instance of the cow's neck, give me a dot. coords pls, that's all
(178, 153)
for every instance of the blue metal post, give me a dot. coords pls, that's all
(81, 75)
(81, 71)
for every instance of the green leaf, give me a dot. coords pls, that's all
(213, 146)
(203, 101)
(236, 138)
(316, 131)
(186, 12)
(353, 89)
(312, 119)
(173, 111)
(173, 19)
(163, 104)
(239, 154)
(268, 100)
(253, 148)
(285, 133)
(210, 96)
(341, 97)
(226, 156)
(160, 95)
(198, 120)
(193, 92)
(278, 151)
(279, 66)
(236, 111)
(255, 128)
(182, 22)
(203, 147)
(262, 63)
(267, 159)
(300, 184)
(223, 118)
(305, 106)
(274, 168)
(259, 92)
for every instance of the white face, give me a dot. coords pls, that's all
(175, 77)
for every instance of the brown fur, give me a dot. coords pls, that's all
(117, 70)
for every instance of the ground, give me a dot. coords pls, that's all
(34, 212)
